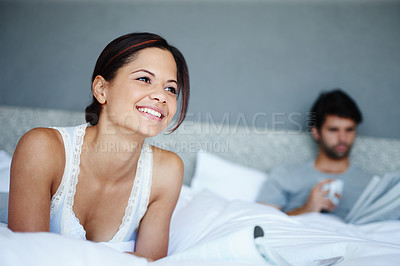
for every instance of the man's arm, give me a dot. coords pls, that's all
(272, 195)
(271, 205)
(317, 200)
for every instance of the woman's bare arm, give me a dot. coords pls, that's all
(38, 158)
(153, 234)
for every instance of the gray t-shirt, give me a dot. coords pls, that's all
(288, 186)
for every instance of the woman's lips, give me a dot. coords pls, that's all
(151, 112)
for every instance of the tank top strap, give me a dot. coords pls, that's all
(62, 218)
(139, 198)
(56, 199)
(147, 178)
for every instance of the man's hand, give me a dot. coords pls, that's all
(317, 200)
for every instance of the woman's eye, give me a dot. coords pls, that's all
(172, 89)
(144, 79)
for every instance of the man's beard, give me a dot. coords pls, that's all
(331, 153)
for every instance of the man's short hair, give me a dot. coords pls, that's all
(335, 102)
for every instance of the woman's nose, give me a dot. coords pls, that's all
(158, 95)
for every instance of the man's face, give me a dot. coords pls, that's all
(336, 136)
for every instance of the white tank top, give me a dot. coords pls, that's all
(62, 217)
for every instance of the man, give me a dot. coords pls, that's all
(299, 188)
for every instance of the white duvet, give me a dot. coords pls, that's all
(209, 230)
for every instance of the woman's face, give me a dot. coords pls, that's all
(142, 96)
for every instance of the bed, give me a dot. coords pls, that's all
(216, 219)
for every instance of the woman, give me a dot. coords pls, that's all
(100, 181)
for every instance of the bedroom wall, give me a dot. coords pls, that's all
(251, 62)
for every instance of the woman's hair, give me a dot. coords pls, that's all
(122, 51)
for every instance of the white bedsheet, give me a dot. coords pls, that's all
(209, 230)
(48, 249)
(300, 240)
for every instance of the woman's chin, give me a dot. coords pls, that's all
(149, 130)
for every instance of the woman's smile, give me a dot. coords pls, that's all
(151, 112)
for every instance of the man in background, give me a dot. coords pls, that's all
(302, 188)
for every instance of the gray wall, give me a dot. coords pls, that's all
(255, 63)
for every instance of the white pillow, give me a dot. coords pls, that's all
(185, 197)
(227, 179)
(190, 224)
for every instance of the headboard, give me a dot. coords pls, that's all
(261, 149)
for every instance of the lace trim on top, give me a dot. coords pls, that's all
(57, 197)
(148, 172)
(68, 214)
(140, 193)
(142, 171)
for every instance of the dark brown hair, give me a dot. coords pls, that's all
(121, 51)
(335, 102)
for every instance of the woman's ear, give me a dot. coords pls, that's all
(98, 88)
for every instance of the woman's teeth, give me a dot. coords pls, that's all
(150, 111)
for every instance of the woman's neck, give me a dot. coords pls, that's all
(110, 153)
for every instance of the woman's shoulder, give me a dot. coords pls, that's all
(167, 164)
(41, 138)
(41, 146)
(166, 156)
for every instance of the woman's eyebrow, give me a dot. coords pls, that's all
(152, 74)
(144, 70)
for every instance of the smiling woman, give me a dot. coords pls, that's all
(121, 196)
(142, 95)
(123, 50)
